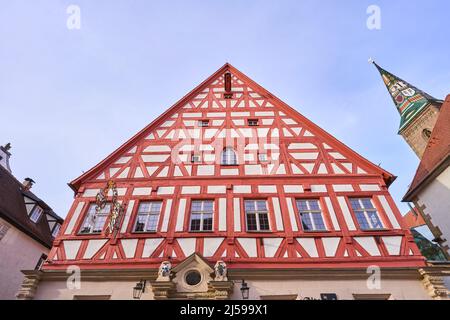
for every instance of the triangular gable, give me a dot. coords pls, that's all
(311, 151)
(193, 257)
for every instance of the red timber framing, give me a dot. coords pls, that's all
(302, 162)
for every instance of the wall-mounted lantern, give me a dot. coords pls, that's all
(139, 289)
(244, 290)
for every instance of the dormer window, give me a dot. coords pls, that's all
(203, 123)
(252, 122)
(56, 229)
(36, 214)
(196, 158)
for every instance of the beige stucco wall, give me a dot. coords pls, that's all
(436, 199)
(17, 252)
(116, 289)
(399, 289)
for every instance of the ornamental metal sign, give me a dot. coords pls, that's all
(116, 208)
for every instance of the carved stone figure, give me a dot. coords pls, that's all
(220, 270)
(164, 271)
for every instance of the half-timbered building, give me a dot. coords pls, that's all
(231, 193)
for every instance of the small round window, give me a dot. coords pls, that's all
(193, 277)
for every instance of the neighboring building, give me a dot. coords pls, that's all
(27, 228)
(425, 125)
(430, 188)
(230, 189)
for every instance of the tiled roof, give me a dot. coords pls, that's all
(436, 154)
(13, 210)
(413, 219)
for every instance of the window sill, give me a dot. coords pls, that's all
(89, 233)
(199, 231)
(316, 231)
(143, 232)
(375, 230)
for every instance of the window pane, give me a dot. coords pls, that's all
(306, 222)
(99, 223)
(140, 223)
(156, 206)
(249, 205)
(195, 222)
(261, 205)
(144, 206)
(301, 205)
(355, 204)
(318, 221)
(152, 222)
(375, 220)
(207, 222)
(314, 205)
(362, 220)
(263, 221)
(208, 206)
(196, 206)
(251, 222)
(367, 203)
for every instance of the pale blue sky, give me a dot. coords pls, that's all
(68, 98)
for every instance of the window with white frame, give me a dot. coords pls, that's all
(252, 122)
(148, 216)
(256, 215)
(56, 229)
(94, 222)
(36, 214)
(366, 214)
(201, 215)
(311, 215)
(228, 157)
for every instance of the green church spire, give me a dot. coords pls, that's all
(409, 100)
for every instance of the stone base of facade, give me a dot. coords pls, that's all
(348, 284)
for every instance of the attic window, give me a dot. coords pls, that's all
(36, 214)
(252, 122)
(203, 123)
(56, 230)
(195, 158)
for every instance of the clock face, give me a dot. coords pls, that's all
(399, 98)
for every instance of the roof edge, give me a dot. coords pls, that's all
(75, 184)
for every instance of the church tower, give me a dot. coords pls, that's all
(418, 110)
